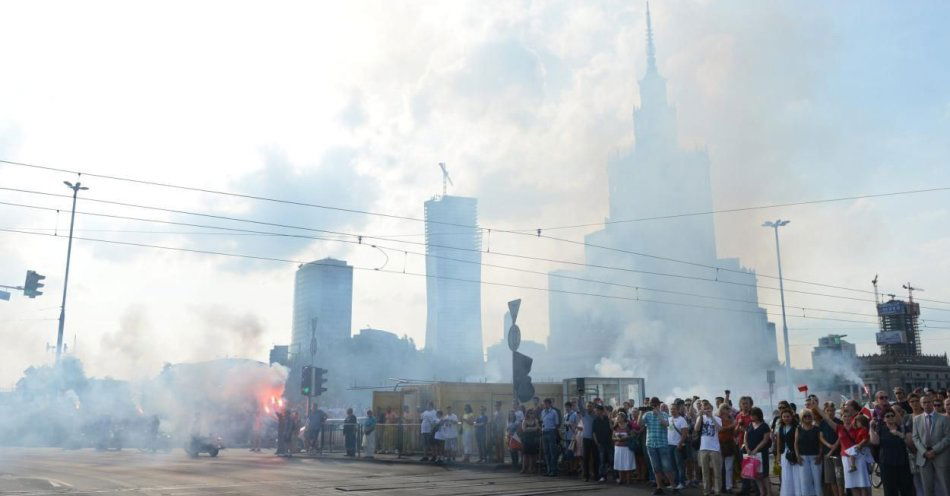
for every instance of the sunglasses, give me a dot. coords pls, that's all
(889, 415)
(882, 397)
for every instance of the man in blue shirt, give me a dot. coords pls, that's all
(591, 456)
(550, 422)
(661, 458)
(481, 434)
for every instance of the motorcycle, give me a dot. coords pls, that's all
(204, 444)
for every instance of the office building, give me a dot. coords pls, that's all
(707, 306)
(453, 287)
(279, 355)
(323, 314)
(901, 362)
(832, 351)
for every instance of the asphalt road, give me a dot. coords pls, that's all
(48, 471)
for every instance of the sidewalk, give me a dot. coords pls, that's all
(411, 460)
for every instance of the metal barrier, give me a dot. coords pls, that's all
(406, 440)
(399, 439)
(393, 439)
(330, 439)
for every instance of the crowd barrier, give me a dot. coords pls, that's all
(395, 439)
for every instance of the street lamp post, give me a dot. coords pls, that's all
(69, 250)
(781, 289)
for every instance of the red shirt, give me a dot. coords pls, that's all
(850, 437)
(859, 434)
(844, 437)
(743, 421)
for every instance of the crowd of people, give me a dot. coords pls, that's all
(717, 445)
(713, 444)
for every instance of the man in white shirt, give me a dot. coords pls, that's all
(710, 456)
(428, 421)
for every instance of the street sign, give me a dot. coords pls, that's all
(770, 376)
(514, 337)
(4, 295)
(513, 307)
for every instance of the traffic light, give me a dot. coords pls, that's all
(306, 381)
(319, 381)
(521, 367)
(32, 285)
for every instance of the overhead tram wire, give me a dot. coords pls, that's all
(508, 231)
(416, 274)
(536, 233)
(757, 207)
(359, 241)
(237, 231)
(223, 193)
(707, 266)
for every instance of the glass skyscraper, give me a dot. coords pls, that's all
(453, 287)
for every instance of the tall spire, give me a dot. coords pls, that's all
(651, 50)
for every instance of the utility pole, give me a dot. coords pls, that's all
(781, 288)
(69, 250)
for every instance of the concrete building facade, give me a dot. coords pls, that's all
(831, 351)
(658, 302)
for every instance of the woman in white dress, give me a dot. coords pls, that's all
(451, 426)
(624, 459)
(468, 434)
(369, 435)
(786, 453)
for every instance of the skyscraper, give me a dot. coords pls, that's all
(323, 296)
(711, 312)
(453, 286)
(900, 332)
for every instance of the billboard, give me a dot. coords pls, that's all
(891, 337)
(893, 307)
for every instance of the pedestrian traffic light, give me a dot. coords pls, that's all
(319, 381)
(306, 381)
(521, 367)
(32, 285)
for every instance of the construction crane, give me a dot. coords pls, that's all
(877, 297)
(445, 179)
(910, 291)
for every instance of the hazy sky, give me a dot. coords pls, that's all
(353, 104)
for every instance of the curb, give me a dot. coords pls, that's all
(475, 467)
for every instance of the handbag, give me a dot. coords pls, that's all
(751, 467)
(514, 443)
(695, 440)
(791, 457)
(633, 444)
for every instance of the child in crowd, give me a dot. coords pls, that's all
(861, 437)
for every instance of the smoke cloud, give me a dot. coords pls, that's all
(222, 398)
